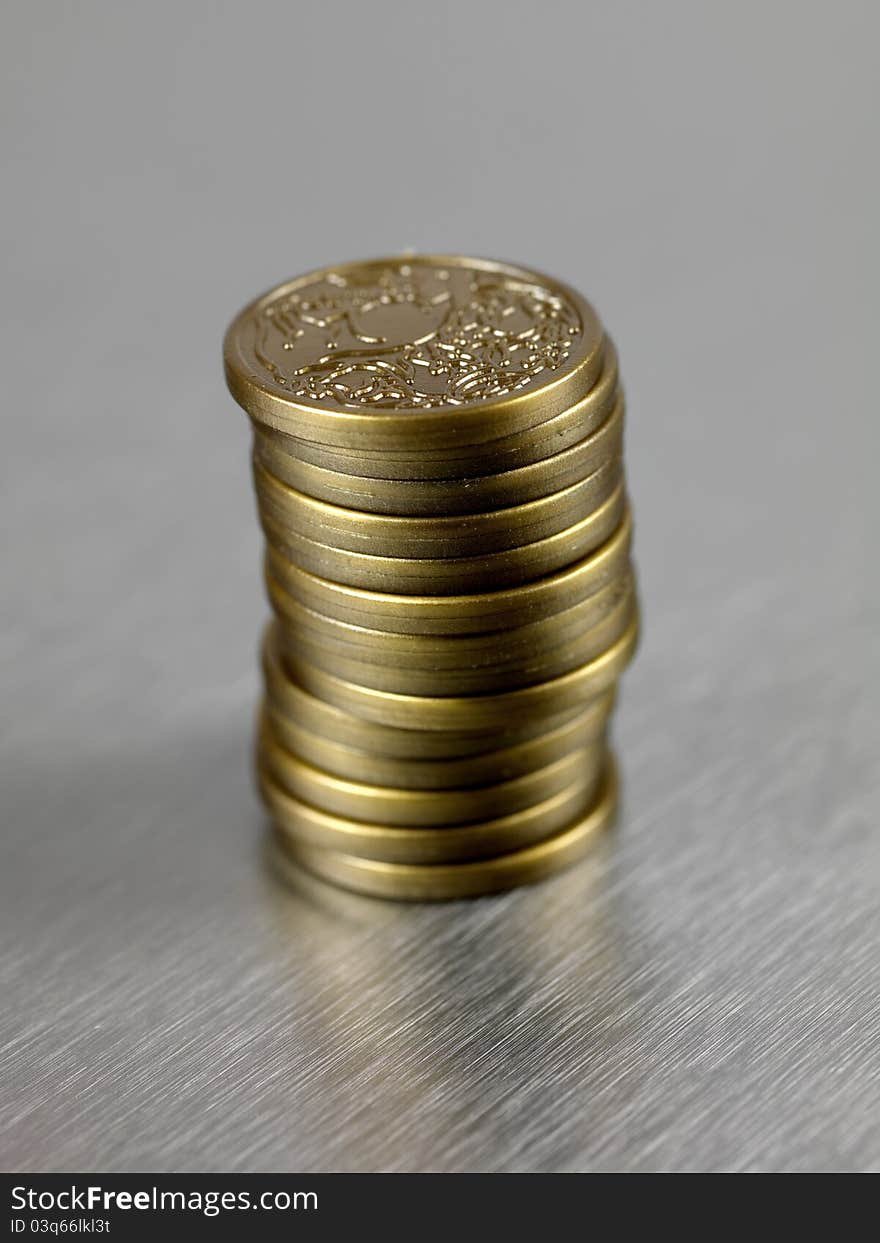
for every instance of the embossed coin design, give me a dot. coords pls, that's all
(438, 463)
(376, 354)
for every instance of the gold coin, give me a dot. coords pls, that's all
(472, 614)
(303, 823)
(432, 497)
(465, 460)
(418, 352)
(396, 806)
(452, 575)
(293, 702)
(472, 712)
(426, 881)
(540, 666)
(498, 649)
(470, 535)
(442, 774)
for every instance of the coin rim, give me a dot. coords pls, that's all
(465, 681)
(454, 651)
(464, 460)
(475, 878)
(296, 702)
(302, 824)
(355, 763)
(510, 567)
(454, 535)
(471, 711)
(425, 499)
(474, 613)
(402, 807)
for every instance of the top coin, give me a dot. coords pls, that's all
(415, 351)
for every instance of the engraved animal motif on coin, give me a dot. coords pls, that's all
(413, 335)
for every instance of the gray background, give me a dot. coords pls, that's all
(702, 993)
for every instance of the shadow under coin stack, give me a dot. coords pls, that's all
(439, 476)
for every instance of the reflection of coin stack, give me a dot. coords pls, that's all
(437, 459)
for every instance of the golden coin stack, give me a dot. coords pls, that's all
(438, 469)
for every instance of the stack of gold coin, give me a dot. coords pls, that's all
(438, 469)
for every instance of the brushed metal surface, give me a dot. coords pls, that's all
(703, 992)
